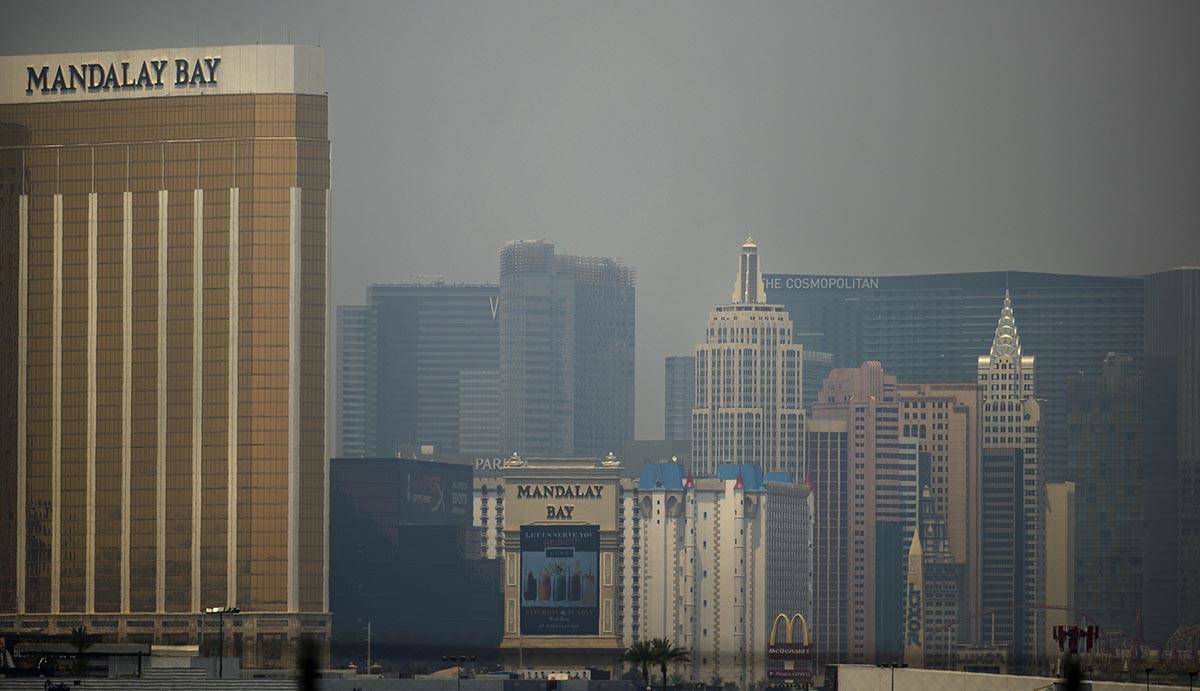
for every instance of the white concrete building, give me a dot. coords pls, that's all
(749, 382)
(719, 559)
(705, 562)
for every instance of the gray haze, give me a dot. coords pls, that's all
(883, 137)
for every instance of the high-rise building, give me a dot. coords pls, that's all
(827, 455)
(897, 495)
(432, 351)
(1061, 512)
(935, 602)
(164, 219)
(489, 519)
(720, 559)
(1012, 419)
(1172, 475)
(945, 420)
(749, 391)
(1105, 460)
(896, 510)
(679, 397)
(864, 401)
(405, 558)
(563, 556)
(566, 351)
(1002, 549)
(479, 411)
(931, 328)
(738, 552)
(356, 381)
(817, 366)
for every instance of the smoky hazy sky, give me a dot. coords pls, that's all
(848, 137)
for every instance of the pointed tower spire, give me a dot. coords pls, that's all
(915, 549)
(749, 287)
(1007, 342)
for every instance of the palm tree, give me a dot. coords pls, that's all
(641, 654)
(667, 653)
(81, 640)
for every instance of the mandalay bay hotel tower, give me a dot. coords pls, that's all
(163, 249)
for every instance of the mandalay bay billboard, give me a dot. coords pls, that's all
(559, 580)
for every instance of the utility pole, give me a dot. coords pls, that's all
(368, 646)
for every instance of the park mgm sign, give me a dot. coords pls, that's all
(562, 547)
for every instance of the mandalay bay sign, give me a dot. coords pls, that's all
(120, 76)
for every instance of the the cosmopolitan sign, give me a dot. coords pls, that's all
(121, 76)
(822, 283)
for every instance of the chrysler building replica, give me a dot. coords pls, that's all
(749, 404)
(1012, 422)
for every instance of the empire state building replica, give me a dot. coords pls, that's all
(749, 404)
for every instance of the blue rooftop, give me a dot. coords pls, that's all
(662, 476)
(671, 476)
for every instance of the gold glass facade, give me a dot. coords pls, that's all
(162, 392)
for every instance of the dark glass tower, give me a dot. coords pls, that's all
(931, 328)
(356, 380)
(1105, 447)
(679, 397)
(405, 558)
(1002, 580)
(427, 350)
(1172, 352)
(566, 352)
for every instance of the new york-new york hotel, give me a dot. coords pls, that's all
(163, 283)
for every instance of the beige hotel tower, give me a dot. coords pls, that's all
(749, 404)
(163, 248)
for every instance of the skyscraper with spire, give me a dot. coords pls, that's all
(1012, 423)
(749, 392)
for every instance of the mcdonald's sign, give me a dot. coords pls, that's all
(789, 648)
(796, 655)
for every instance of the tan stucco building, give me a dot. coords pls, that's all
(563, 547)
(1060, 559)
(945, 420)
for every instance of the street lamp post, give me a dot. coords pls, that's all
(1148, 671)
(458, 660)
(221, 612)
(893, 666)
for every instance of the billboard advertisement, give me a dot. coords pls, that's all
(436, 494)
(396, 492)
(560, 580)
